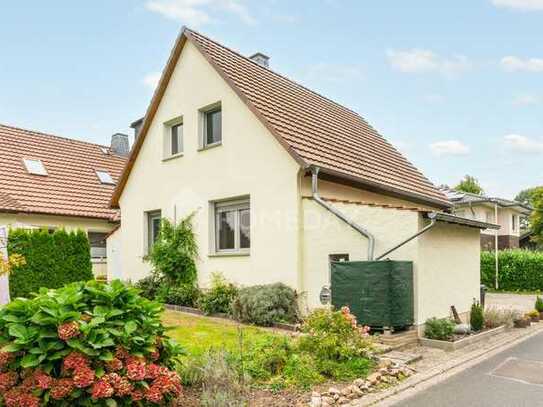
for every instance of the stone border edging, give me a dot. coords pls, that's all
(449, 369)
(461, 343)
(196, 311)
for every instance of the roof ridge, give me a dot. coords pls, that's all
(41, 133)
(276, 73)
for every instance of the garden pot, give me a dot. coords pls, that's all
(521, 323)
(534, 319)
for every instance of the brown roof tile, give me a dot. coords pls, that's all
(314, 129)
(71, 186)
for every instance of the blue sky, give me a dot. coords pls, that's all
(456, 85)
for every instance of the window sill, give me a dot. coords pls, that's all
(98, 260)
(210, 146)
(172, 157)
(229, 254)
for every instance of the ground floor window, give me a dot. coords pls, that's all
(98, 247)
(232, 226)
(153, 227)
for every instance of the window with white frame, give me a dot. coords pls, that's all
(173, 138)
(153, 227)
(97, 241)
(232, 226)
(211, 126)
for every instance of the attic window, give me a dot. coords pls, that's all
(35, 167)
(104, 177)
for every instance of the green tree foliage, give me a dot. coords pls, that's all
(51, 260)
(536, 219)
(174, 253)
(526, 195)
(470, 184)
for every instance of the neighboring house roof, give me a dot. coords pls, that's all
(71, 186)
(313, 129)
(460, 198)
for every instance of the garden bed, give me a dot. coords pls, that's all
(461, 342)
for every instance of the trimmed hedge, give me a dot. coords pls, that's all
(52, 259)
(519, 270)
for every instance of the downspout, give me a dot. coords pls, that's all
(321, 202)
(496, 284)
(432, 216)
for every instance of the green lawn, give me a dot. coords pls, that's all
(197, 334)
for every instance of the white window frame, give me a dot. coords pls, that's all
(233, 205)
(149, 234)
(202, 130)
(167, 138)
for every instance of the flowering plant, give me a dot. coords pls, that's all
(86, 344)
(15, 260)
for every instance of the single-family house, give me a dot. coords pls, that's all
(283, 180)
(52, 182)
(506, 213)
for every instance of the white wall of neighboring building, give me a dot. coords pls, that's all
(114, 257)
(249, 163)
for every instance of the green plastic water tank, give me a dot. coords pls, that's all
(379, 293)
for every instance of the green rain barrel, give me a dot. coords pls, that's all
(379, 293)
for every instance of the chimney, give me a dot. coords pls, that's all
(136, 125)
(120, 144)
(261, 59)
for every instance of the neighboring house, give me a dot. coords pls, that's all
(53, 182)
(506, 213)
(526, 242)
(239, 145)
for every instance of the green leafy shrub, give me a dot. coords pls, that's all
(441, 329)
(266, 304)
(86, 344)
(476, 316)
(51, 259)
(495, 317)
(268, 357)
(149, 286)
(519, 270)
(219, 298)
(340, 347)
(174, 253)
(184, 294)
(539, 304)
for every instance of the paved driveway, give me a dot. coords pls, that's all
(521, 302)
(512, 378)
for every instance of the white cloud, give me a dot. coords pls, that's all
(195, 13)
(151, 80)
(449, 147)
(523, 144)
(513, 64)
(418, 60)
(520, 4)
(526, 100)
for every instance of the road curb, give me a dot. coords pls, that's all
(443, 372)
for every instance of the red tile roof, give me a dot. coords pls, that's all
(314, 130)
(71, 186)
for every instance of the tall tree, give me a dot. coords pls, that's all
(536, 219)
(470, 184)
(525, 196)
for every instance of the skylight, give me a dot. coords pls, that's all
(35, 167)
(104, 177)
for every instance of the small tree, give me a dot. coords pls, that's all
(476, 318)
(536, 219)
(471, 185)
(174, 253)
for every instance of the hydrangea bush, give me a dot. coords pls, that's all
(86, 344)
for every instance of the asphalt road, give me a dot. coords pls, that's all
(513, 378)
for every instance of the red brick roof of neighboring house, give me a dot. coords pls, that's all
(71, 186)
(314, 130)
